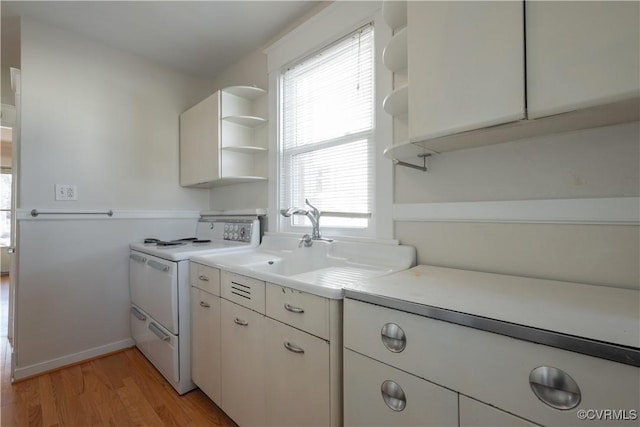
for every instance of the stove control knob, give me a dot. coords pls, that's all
(235, 236)
(226, 227)
(226, 236)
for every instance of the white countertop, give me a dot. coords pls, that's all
(610, 315)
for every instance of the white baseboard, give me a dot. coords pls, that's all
(39, 368)
(610, 210)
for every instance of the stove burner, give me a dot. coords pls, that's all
(150, 240)
(165, 244)
(201, 241)
(186, 239)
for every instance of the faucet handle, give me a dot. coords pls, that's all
(316, 211)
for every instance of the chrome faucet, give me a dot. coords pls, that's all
(314, 216)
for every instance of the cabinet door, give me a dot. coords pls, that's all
(581, 54)
(205, 342)
(466, 66)
(242, 364)
(297, 377)
(376, 394)
(199, 142)
(477, 414)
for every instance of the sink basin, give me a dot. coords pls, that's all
(322, 269)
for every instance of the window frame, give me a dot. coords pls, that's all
(323, 29)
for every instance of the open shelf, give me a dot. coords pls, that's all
(248, 121)
(246, 92)
(394, 56)
(394, 13)
(397, 102)
(247, 149)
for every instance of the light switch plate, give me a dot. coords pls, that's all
(66, 192)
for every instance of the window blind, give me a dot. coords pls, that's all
(326, 139)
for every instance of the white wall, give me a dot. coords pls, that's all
(73, 290)
(103, 120)
(10, 56)
(107, 122)
(596, 163)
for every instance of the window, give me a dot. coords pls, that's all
(327, 111)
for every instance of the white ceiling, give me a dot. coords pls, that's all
(197, 37)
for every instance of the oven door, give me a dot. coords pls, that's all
(153, 286)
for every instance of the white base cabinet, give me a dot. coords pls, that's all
(266, 354)
(475, 414)
(297, 377)
(376, 394)
(243, 369)
(492, 368)
(205, 333)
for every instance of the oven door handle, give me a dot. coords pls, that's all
(138, 314)
(158, 332)
(158, 265)
(138, 258)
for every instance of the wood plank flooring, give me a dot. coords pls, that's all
(122, 389)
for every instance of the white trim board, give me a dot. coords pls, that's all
(70, 359)
(614, 210)
(24, 214)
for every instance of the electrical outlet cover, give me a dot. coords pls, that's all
(66, 192)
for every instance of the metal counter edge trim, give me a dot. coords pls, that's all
(602, 350)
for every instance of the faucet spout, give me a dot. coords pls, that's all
(313, 214)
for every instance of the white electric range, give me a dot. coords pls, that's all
(159, 287)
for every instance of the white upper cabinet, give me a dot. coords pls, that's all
(465, 66)
(581, 54)
(223, 139)
(199, 136)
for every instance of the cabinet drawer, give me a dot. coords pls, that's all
(489, 367)
(477, 414)
(298, 309)
(378, 395)
(205, 278)
(243, 290)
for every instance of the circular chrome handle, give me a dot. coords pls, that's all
(204, 304)
(203, 278)
(393, 395)
(555, 388)
(393, 337)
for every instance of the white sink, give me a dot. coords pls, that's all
(322, 269)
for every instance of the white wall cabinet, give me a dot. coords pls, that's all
(466, 66)
(223, 139)
(466, 72)
(581, 54)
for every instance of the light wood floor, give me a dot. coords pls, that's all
(122, 389)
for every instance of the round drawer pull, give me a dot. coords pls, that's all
(393, 337)
(393, 395)
(555, 387)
